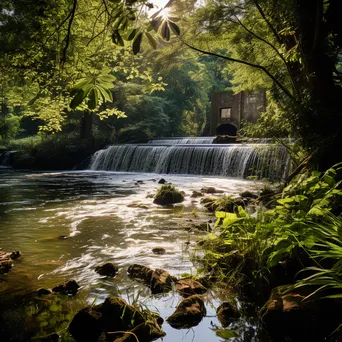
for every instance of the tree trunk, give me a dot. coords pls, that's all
(320, 119)
(86, 130)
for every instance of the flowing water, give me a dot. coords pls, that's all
(196, 156)
(67, 223)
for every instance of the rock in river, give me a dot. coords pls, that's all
(69, 288)
(226, 313)
(108, 269)
(159, 280)
(188, 287)
(113, 316)
(189, 313)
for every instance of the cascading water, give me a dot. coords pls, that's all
(180, 140)
(176, 157)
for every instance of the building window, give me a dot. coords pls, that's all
(225, 113)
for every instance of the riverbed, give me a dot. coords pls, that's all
(67, 223)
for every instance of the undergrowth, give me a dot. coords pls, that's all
(298, 241)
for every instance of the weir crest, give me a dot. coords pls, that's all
(195, 156)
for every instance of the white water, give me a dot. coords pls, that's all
(232, 160)
(180, 140)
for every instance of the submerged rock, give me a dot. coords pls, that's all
(108, 269)
(211, 190)
(226, 313)
(196, 194)
(168, 194)
(69, 288)
(159, 250)
(162, 181)
(43, 292)
(189, 313)
(188, 287)
(113, 316)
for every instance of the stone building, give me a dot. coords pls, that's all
(228, 110)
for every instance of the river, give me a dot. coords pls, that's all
(67, 223)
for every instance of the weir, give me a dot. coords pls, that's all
(195, 156)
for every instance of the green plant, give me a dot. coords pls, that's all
(304, 224)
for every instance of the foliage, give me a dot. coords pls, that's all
(291, 49)
(9, 126)
(303, 224)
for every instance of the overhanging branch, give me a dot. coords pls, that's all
(67, 40)
(257, 66)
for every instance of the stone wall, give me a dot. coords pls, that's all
(229, 108)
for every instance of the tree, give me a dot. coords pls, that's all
(294, 47)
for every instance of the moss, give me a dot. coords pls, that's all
(168, 194)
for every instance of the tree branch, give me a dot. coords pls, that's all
(272, 28)
(67, 41)
(257, 66)
(273, 48)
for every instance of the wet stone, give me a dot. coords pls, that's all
(141, 272)
(43, 292)
(226, 313)
(196, 194)
(114, 315)
(188, 287)
(161, 281)
(189, 313)
(162, 181)
(69, 288)
(159, 250)
(211, 190)
(108, 269)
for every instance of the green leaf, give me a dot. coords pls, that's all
(137, 43)
(117, 39)
(226, 333)
(151, 40)
(132, 34)
(107, 78)
(83, 81)
(104, 94)
(286, 200)
(174, 27)
(77, 100)
(93, 98)
(165, 31)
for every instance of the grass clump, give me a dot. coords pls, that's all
(168, 194)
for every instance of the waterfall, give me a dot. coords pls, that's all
(180, 140)
(231, 160)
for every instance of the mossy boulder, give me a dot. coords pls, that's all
(167, 194)
(114, 315)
